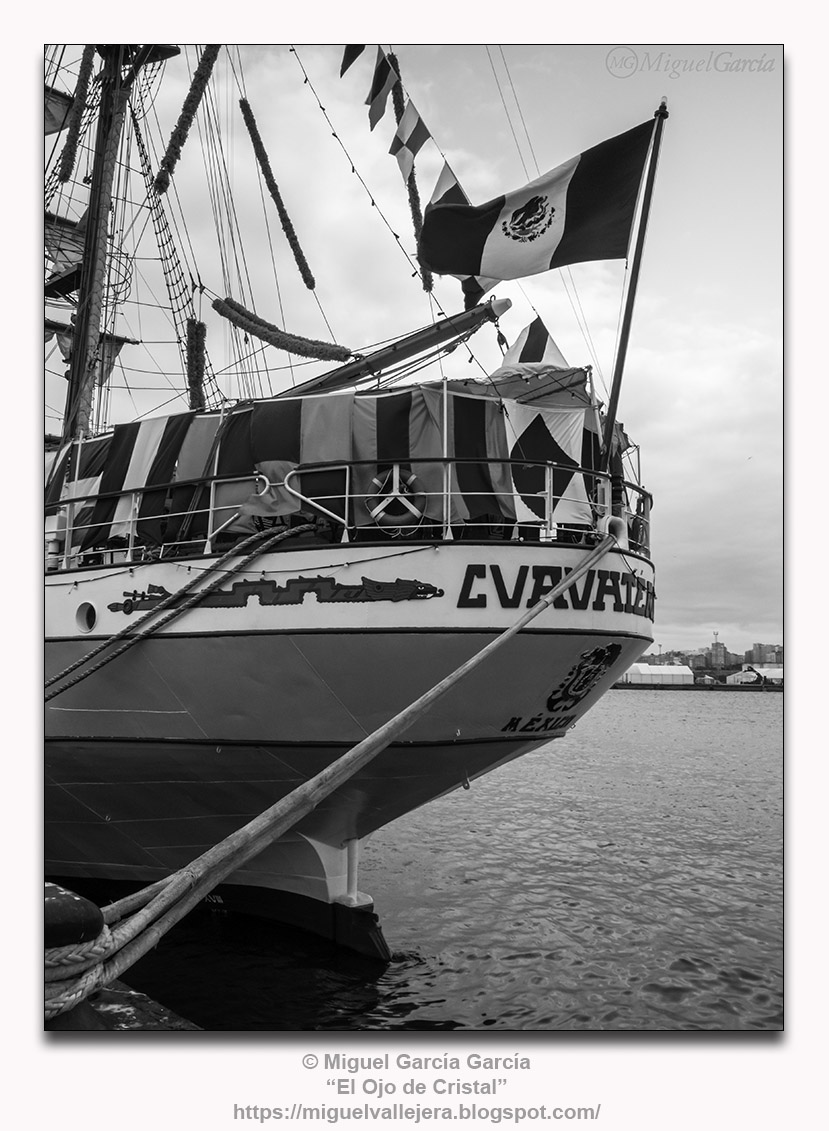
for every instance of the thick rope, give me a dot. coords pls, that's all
(273, 189)
(196, 334)
(70, 148)
(156, 609)
(292, 343)
(178, 137)
(63, 962)
(189, 603)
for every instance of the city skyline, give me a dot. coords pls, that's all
(758, 653)
(668, 648)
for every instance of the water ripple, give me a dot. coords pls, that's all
(626, 877)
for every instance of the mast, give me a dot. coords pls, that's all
(116, 83)
(661, 114)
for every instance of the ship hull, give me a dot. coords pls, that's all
(163, 752)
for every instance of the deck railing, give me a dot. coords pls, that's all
(475, 499)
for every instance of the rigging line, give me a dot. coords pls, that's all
(506, 111)
(158, 370)
(178, 397)
(257, 373)
(169, 239)
(518, 108)
(242, 88)
(246, 377)
(412, 263)
(414, 365)
(324, 315)
(184, 235)
(523, 163)
(216, 147)
(52, 69)
(581, 322)
(134, 388)
(151, 89)
(227, 148)
(258, 351)
(54, 53)
(215, 167)
(250, 370)
(217, 181)
(580, 316)
(260, 182)
(240, 78)
(433, 301)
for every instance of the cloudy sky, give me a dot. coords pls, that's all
(702, 394)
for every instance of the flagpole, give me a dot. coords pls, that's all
(661, 114)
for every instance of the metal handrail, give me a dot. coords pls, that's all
(608, 498)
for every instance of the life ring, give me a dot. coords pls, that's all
(398, 500)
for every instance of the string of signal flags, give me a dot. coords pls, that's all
(411, 135)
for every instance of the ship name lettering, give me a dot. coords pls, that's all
(599, 589)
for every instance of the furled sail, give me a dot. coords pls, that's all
(64, 241)
(56, 107)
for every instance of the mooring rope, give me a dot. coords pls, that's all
(163, 604)
(189, 603)
(68, 961)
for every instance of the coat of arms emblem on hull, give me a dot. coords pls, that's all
(583, 677)
(529, 221)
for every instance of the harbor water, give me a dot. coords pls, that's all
(625, 877)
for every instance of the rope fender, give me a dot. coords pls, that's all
(291, 343)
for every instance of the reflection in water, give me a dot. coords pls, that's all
(626, 877)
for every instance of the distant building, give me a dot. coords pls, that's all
(764, 654)
(752, 674)
(661, 674)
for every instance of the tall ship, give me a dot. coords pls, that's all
(249, 575)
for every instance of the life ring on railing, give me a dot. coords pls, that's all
(398, 500)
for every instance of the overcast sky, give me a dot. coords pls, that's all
(702, 393)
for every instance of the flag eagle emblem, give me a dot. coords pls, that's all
(529, 221)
